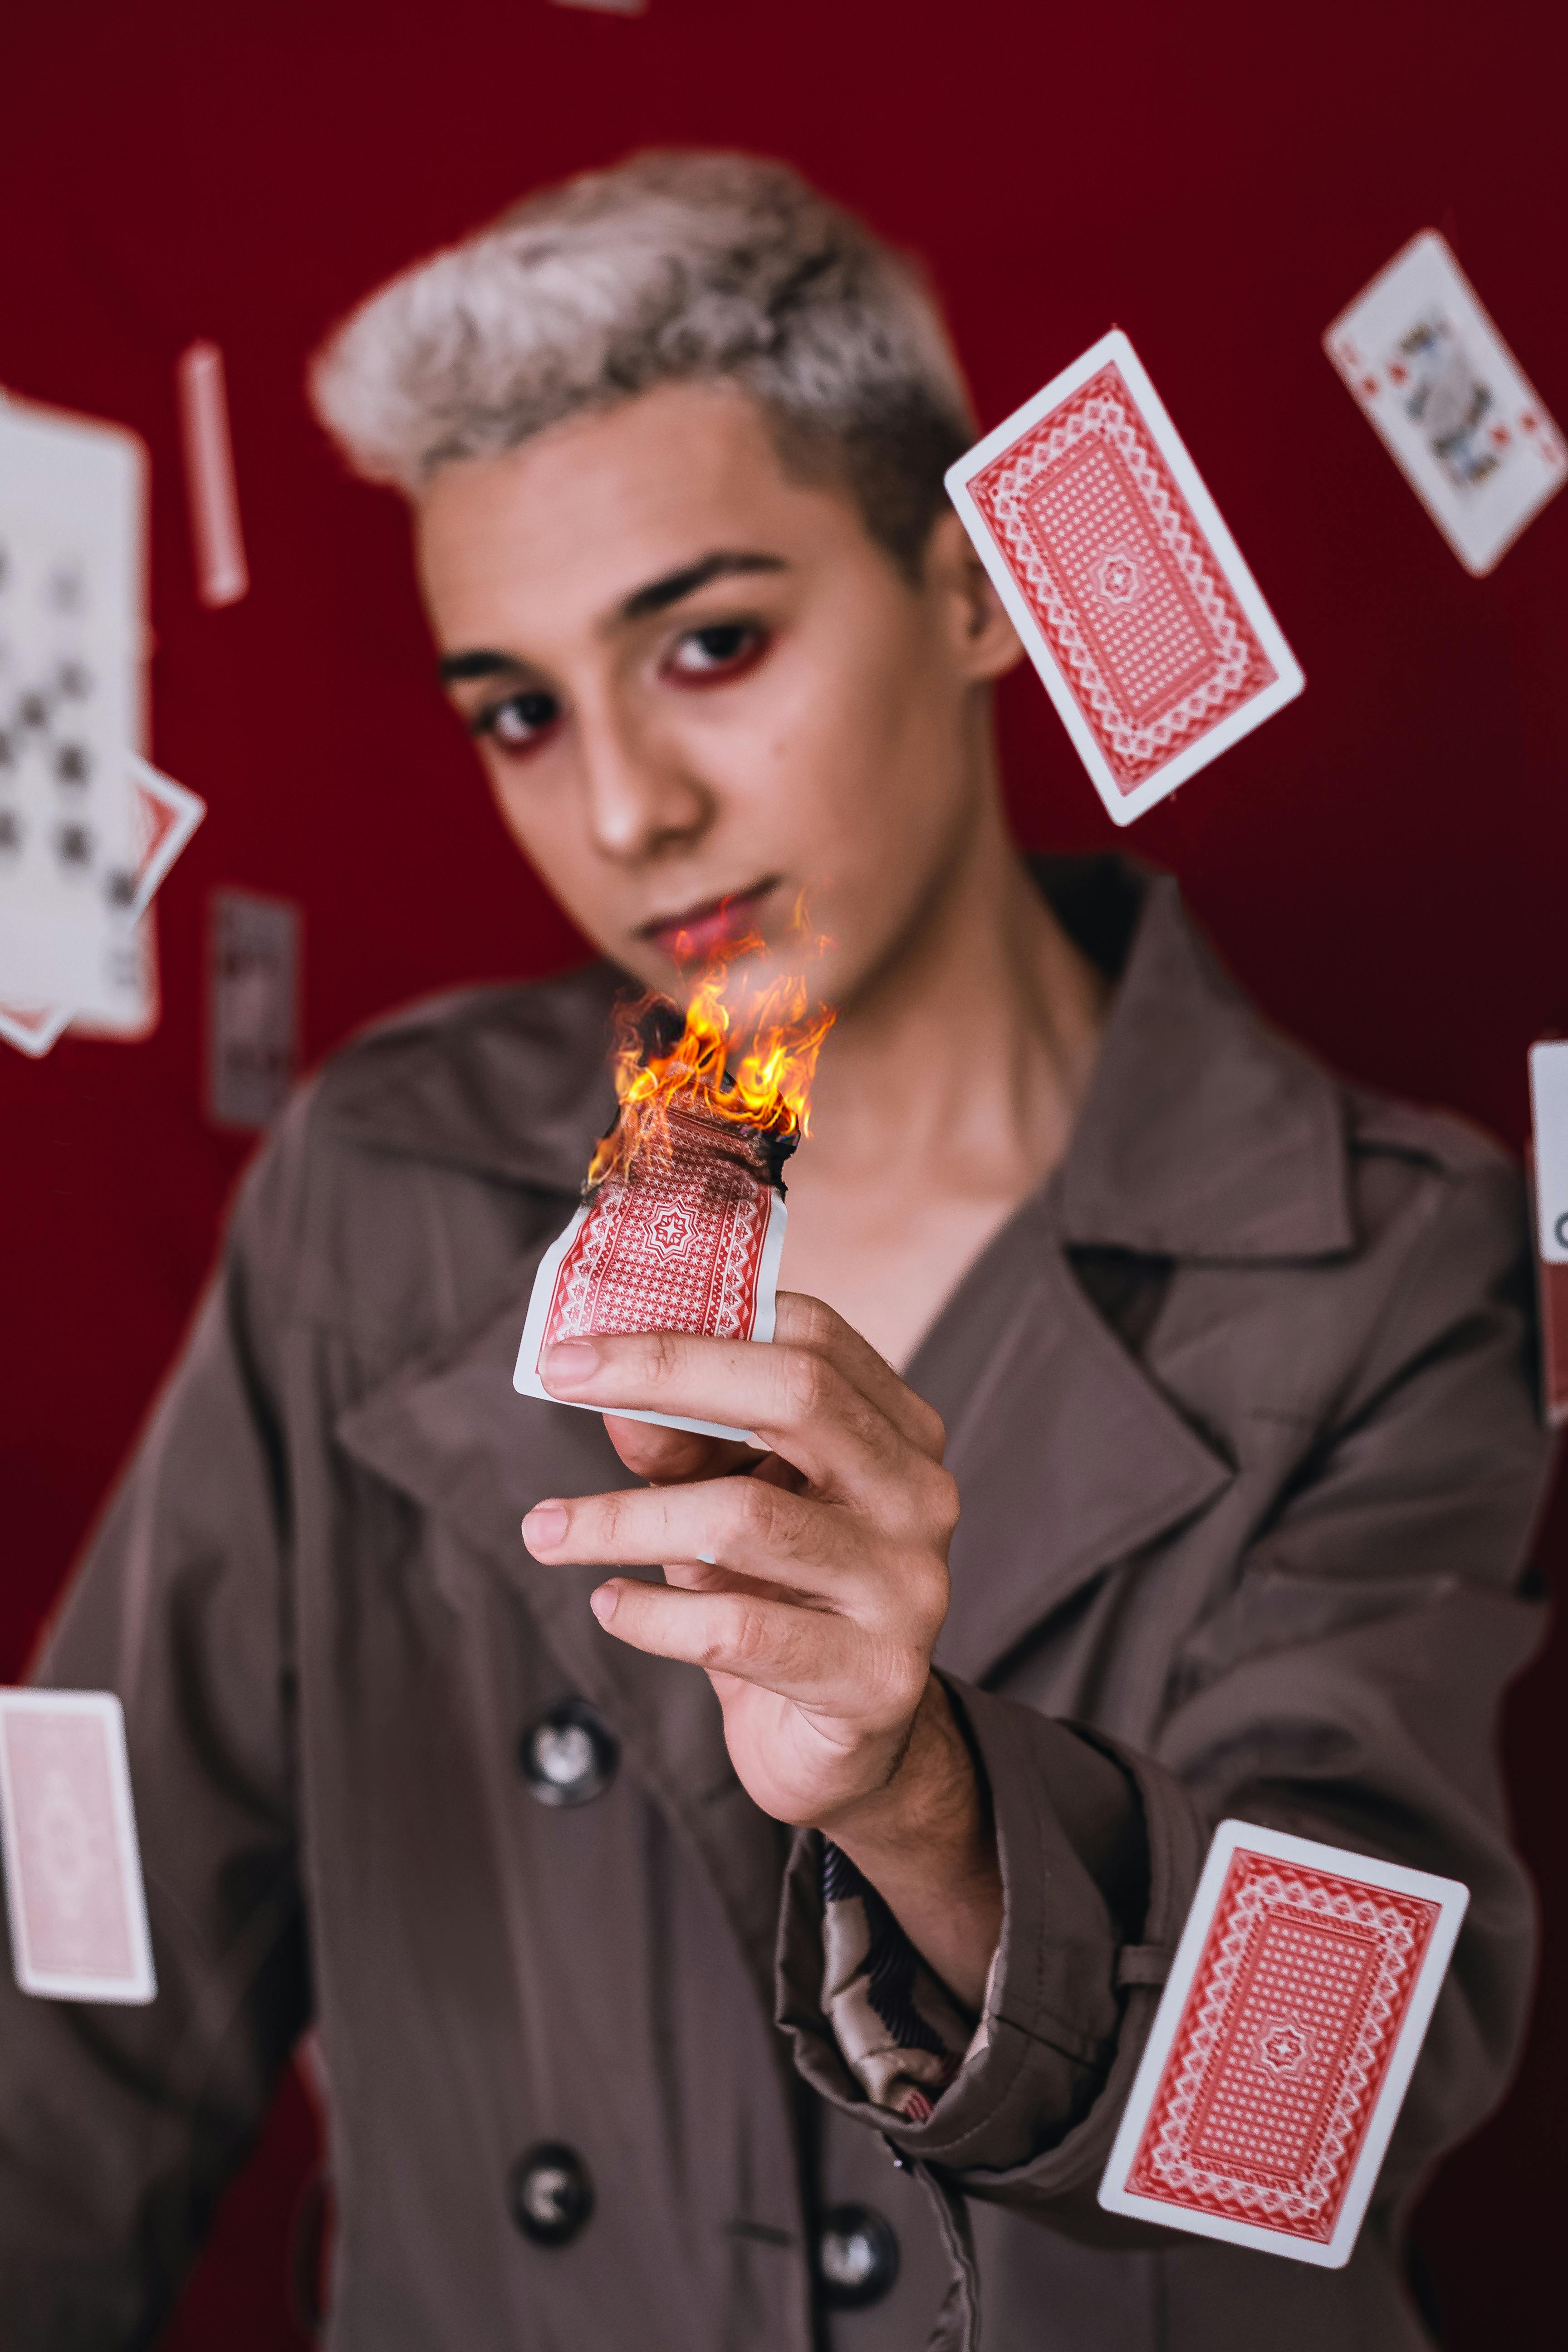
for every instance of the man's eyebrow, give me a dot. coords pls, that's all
(660, 593)
(452, 668)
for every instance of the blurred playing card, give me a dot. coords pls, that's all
(688, 1242)
(1463, 424)
(1548, 1190)
(73, 1876)
(222, 576)
(33, 1029)
(253, 949)
(1283, 2045)
(165, 815)
(1549, 1128)
(71, 646)
(1132, 598)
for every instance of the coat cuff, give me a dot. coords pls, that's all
(1100, 1853)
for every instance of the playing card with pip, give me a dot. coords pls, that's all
(71, 649)
(74, 1894)
(1283, 2045)
(1460, 420)
(1148, 631)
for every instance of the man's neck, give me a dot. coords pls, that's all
(968, 1054)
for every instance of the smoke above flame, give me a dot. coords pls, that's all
(745, 1056)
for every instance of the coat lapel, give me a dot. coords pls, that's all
(459, 1439)
(1068, 1457)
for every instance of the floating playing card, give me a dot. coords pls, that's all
(1549, 1128)
(73, 1876)
(1549, 1187)
(222, 576)
(71, 645)
(1283, 2045)
(688, 1240)
(1130, 596)
(253, 947)
(163, 814)
(1463, 424)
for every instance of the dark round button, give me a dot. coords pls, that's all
(856, 2257)
(568, 1758)
(549, 2193)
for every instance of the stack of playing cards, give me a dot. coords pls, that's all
(1283, 2045)
(74, 1895)
(1465, 429)
(1129, 592)
(1549, 1175)
(687, 1237)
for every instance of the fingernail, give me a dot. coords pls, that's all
(603, 1602)
(570, 1362)
(544, 1527)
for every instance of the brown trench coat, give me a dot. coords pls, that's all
(1239, 1408)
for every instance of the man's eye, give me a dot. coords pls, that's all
(519, 722)
(721, 650)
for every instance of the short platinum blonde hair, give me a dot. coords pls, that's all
(675, 267)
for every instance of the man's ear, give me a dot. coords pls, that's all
(983, 638)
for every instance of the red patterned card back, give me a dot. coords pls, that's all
(1282, 2046)
(1121, 579)
(676, 1246)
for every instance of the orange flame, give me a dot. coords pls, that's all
(763, 1088)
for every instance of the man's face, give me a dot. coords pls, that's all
(700, 691)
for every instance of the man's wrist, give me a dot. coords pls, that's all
(926, 1842)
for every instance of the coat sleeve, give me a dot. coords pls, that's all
(1344, 1687)
(118, 2127)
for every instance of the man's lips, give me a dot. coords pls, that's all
(696, 931)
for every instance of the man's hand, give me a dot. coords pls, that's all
(812, 1591)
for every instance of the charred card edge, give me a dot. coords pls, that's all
(1289, 678)
(1452, 1899)
(525, 1379)
(141, 1986)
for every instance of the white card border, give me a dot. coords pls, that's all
(1279, 1846)
(1551, 1121)
(1348, 341)
(141, 1986)
(525, 1378)
(1123, 808)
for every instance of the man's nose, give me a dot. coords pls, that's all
(640, 798)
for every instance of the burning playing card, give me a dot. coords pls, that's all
(682, 1223)
(1116, 568)
(1283, 2045)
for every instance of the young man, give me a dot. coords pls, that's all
(1151, 1428)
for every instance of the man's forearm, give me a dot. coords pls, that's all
(926, 1842)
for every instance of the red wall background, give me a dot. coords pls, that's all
(1384, 864)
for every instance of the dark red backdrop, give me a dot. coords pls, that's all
(1384, 864)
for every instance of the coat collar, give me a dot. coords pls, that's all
(1204, 1134)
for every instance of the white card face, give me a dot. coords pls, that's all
(1549, 1124)
(71, 646)
(1461, 421)
(1283, 2045)
(163, 814)
(74, 1895)
(1149, 633)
